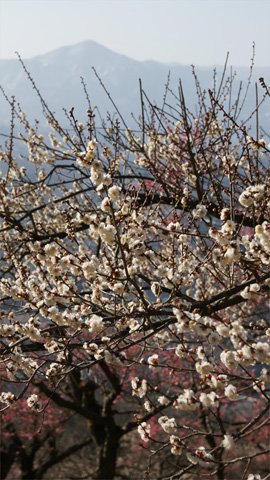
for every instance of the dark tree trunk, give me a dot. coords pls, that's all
(6, 461)
(27, 466)
(107, 456)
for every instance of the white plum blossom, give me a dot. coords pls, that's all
(209, 399)
(118, 288)
(262, 352)
(228, 358)
(95, 323)
(153, 361)
(186, 401)
(163, 400)
(176, 448)
(54, 369)
(228, 442)
(92, 145)
(245, 356)
(155, 288)
(204, 367)
(52, 346)
(144, 431)
(114, 193)
(51, 249)
(34, 402)
(91, 347)
(265, 375)
(200, 211)
(251, 194)
(89, 269)
(232, 254)
(231, 392)
(105, 205)
(168, 424)
(228, 227)
(255, 287)
(225, 212)
(214, 338)
(147, 405)
(32, 332)
(8, 398)
(107, 233)
(218, 382)
(201, 456)
(180, 351)
(96, 176)
(139, 387)
(113, 360)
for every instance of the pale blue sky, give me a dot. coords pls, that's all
(196, 32)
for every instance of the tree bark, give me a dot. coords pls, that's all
(7, 459)
(27, 466)
(107, 456)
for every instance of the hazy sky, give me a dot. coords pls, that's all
(196, 32)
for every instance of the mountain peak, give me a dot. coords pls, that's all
(88, 50)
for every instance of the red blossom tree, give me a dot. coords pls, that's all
(30, 442)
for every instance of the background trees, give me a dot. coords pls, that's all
(32, 444)
(135, 282)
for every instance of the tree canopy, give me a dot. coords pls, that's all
(134, 281)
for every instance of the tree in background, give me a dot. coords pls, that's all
(31, 443)
(135, 282)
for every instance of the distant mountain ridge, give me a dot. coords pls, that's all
(57, 76)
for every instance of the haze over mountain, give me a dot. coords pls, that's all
(57, 76)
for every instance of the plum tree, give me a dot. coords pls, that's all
(134, 281)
